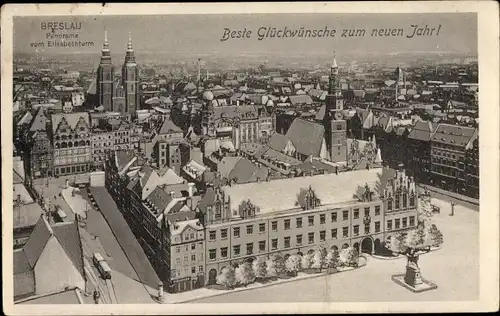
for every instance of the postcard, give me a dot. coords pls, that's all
(250, 158)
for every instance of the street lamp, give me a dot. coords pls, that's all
(452, 208)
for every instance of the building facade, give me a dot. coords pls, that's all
(71, 139)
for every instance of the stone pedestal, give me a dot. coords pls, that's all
(412, 276)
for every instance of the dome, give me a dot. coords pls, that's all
(264, 99)
(270, 103)
(208, 95)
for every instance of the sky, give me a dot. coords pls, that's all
(187, 34)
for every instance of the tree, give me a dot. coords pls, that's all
(415, 242)
(317, 259)
(332, 258)
(306, 261)
(259, 267)
(292, 264)
(279, 263)
(425, 209)
(348, 257)
(270, 269)
(244, 274)
(227, 277)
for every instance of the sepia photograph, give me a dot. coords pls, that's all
(273, 157)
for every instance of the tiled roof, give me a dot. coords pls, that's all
(37, 241)
(242, 111)
(159, 198)
(168, 176)
(39, 122)
(168, 127)
(277, 195)
(306, 136)
(26, 215)
(24, 276)
(21, 263)
(453, 135)
(71, 118)
(301, 99)
(321, 113)
(26, 119)
(226, 165)
(421, 131)
(278, 141)
(245, 171)
(123, 157)
(20, 189)
(69, 237)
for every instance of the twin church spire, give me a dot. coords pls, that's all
(112, 95)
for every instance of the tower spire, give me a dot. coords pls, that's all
(129, 44)
(334, 64)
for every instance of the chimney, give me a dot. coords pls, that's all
(190, 189)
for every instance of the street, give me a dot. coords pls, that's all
(454, 268)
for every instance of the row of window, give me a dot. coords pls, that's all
(186, 259)
(187, 246)
(287, 223)
(397, 202)
(177, 272)
(69, 170)
(397, 223)
(249, 247)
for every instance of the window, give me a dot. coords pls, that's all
(405, 222)
(287, 224)
(355, 230)
(345, 232)
(367, 228)
(356, 213)
(367, 211)
(322, 219)
(412, 220)
(200, 269)
(274, 244)
(236, 250)
(193, 270)
(310, 238)
(174, 272)
(389, 205)
(334, 216)
(397, 223)
(287, 242)
(377, 227)
(412, 201)
(405, 200)
(223, 252)
(212, 254)
(223, 233)
(377, 210)
(299, 222)
(274, 226)
(345, 215)
(397, 203)
(299, 240)
(178, 261)
(262, 246)
(334, 233)
(322, 235)
(236, 232)
(193, 257)
(212, 235)
(262, 227)
(310, 220)
(178, 249)
(389, 224)
(249, 229)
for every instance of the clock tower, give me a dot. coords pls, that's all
(334, 123)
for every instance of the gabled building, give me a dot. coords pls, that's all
(50, 261)
(71, 139)
(39, 154)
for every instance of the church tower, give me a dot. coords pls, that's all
(130, 80)
(334, 123)
(105, 77)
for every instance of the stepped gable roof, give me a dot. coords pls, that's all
(71, 118)
(453, 135)
(421, 131)
(69, 237)
(275, 195)
(306, 136)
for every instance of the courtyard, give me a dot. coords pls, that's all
(454, 269)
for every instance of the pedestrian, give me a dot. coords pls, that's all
(97, 295)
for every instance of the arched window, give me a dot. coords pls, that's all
(57, 145)
(389, 204)
(70, 136)
(397, 201)
(70, 144)
(63, 137)
(81, 143)
(76, 143)
(64, 145)
(57, 137)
